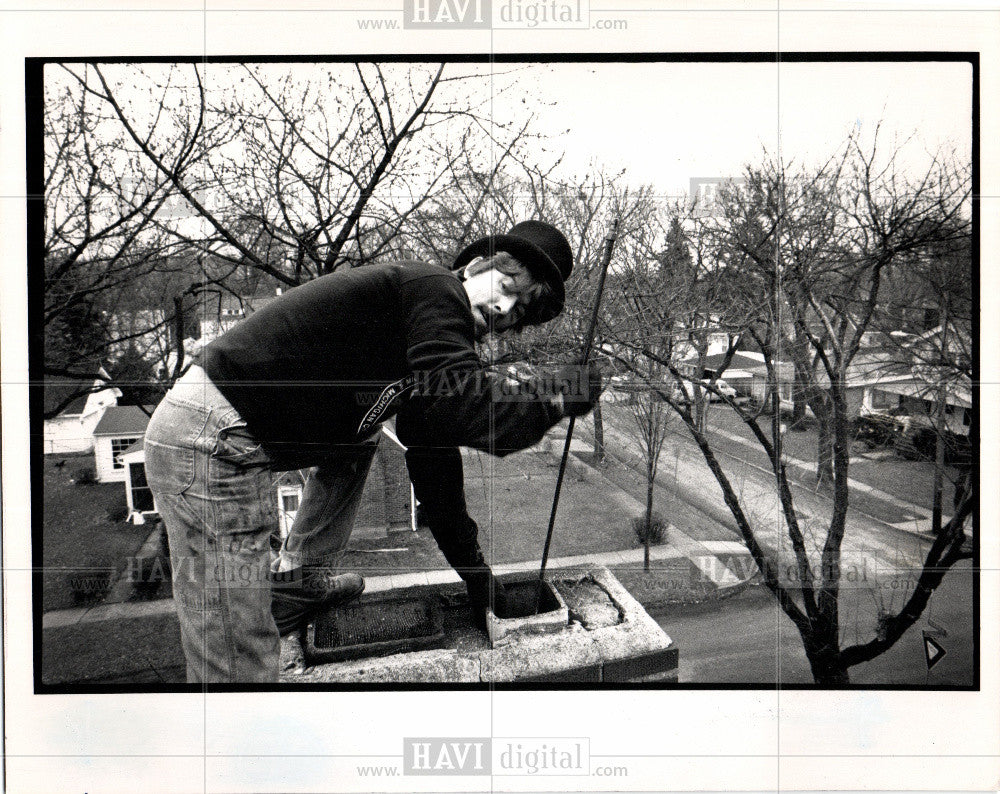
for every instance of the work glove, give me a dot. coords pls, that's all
(580, 388)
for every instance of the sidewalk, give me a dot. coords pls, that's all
(685, 548)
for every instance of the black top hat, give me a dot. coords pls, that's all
(543, 250)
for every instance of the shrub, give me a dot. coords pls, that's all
(917, 444)
(877, 430)
(957, 450)
(117, 514)
(657, 528)
(920, 443)
(85, 475)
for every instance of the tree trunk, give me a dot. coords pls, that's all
(700, 407)
(801, 376)
(823, 654)
(178, 339)
(598, 432)
(938, 464)
(798, 409)
(940, 421)
(650, 477)
(824, 454)
(827, 670)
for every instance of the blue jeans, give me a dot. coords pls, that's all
(213, 487)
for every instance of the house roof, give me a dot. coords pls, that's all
(56, 390)
(137, 447)
(123, 420)
(78, 404)
(245, 304)
(921, 390)
(740, 361)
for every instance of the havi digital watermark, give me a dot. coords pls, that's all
(495, 756)
(472, 14)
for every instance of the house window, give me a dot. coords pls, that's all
(118, 446)
(289, 499)
(142, 497)
(883, 401)
(785, 389)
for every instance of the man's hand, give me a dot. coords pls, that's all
(582, 389)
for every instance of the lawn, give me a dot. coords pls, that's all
(81, 537)
(910, 480)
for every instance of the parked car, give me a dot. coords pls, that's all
(877, 430)
(724, 390)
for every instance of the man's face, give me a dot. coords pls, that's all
(498, 300)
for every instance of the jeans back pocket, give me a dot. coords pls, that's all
(170, 446)
(235, 444)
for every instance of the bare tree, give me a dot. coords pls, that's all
(164, 182)
(927, 323)
(809, 256)
(100, 240)
(650, 427)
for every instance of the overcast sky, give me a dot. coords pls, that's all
(666, 123)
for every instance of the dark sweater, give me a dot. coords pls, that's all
(322, 365)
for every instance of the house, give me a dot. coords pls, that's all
(912, 375)
(72, 429)
(738, 374)
(710, 339)
(228, 309)
(885, 377)
(120, 428)
(760, 382)
(867, 389)
(918, 399)
(217, 314)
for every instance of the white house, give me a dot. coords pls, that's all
(918, 399)
(231, 309)
(73, 429)
(760, 382)
(120, 428)
(216, 315)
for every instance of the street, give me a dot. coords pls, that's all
(748, 639)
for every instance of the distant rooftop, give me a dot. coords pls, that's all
(123, 420)
(740, 361)
(57, 389)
